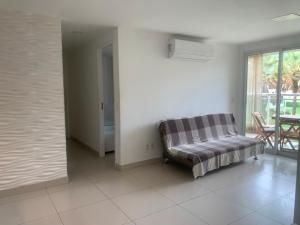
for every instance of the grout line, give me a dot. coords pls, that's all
(242, 217)
(84, 205)
(12, 201)
(212, 192)
(194, 215)
(152, 187)
(266, 216)
(270, 218)
(110, 199)
(55, 207)
(81, 206)
(36, 220)
(128, 217)
(156, 211)
(178, 204)
(39, 218)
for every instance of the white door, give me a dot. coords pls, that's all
(106, 100)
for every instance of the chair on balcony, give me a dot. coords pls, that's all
(264, 131)
(289, 132)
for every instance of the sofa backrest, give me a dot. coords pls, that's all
(197, 129)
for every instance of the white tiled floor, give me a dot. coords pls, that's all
(250, 193)
(76, 196)
(215, 210)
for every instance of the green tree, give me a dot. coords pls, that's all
(290, 72)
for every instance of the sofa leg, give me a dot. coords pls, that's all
(166, 160)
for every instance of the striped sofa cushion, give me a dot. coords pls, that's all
(197, 129)
(202, 151)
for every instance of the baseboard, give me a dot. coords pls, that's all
(138, 164)
(292, 155)
(289, 154)
(271, 152)
(33, 187)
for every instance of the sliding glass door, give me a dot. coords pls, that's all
(273, 99)
(262, 83)
(289, 119)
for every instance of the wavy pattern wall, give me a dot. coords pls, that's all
(32, 129)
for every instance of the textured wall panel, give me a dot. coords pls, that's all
(32, 130)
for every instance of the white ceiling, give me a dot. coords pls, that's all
(234, 21)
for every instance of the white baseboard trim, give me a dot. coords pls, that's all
(138, 164)
(33, 187)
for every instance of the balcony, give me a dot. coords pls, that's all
(289, 119)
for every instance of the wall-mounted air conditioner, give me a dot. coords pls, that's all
(190, 50)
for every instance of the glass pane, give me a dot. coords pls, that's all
(290, 100)
(261, 96)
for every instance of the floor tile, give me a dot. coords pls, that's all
(23, 196)
(179, 190)
(142, 203)
(156, 173)
(149, 175)
(51, 220)
(26, 210)
(255, 219)
(115, 186)
(104, 212)
(248, 196)
(76, 196)
(98, 175)
(170, 216)
(148, 194)
(275, 185)
(288, 173)
(215, 210)
(68, 186)
(281, 211)
(217, 180)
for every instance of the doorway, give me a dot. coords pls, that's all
(106, 82)
(273, 99)
(87, 51)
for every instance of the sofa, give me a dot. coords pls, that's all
(205, 143)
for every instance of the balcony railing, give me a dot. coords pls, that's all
(289, 105)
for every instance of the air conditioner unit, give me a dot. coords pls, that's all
(190, 50)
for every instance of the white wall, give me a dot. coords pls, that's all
(32, 126)
(84, 101)
(153, 88)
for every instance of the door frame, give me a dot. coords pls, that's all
(101, 142)
(246, 54)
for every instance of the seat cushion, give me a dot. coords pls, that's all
(202, 151)
(197, 129)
